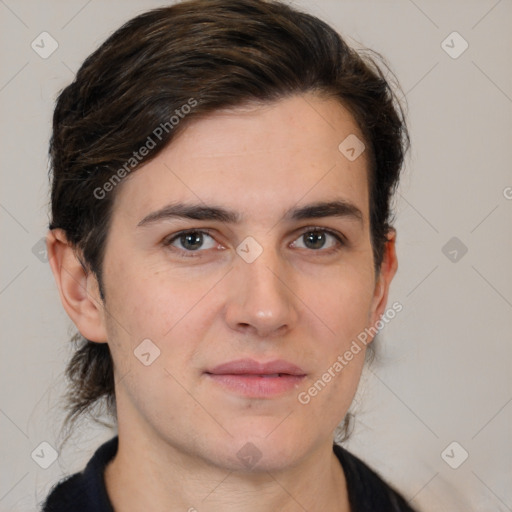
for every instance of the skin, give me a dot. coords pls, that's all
(179, 432)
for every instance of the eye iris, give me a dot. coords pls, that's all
(314, 240)
(192, 240)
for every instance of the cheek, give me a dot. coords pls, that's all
(342, 301)
(340, 313)
(148, 301)
(172, 309)
(339, 356)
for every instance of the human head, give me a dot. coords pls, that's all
(173, 66)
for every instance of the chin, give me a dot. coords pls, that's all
(262, 449)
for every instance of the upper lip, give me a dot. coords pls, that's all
(252, 367)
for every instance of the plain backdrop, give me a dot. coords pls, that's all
(444, 369)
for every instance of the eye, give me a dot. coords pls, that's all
(191, 241)
(318, 238)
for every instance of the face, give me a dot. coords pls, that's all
(221, 254)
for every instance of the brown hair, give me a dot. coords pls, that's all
(208, 54)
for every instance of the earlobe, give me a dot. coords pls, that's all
(388, 270)
(78, 288)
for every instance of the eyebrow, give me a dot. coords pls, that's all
(317, 210)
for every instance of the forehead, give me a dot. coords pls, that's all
(258, 160)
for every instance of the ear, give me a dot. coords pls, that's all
(388, 270)
(78, 288)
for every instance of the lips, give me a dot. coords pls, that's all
(275, 368)
(254, 379)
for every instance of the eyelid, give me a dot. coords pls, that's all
(336, 234)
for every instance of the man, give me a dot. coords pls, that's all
(220, 237)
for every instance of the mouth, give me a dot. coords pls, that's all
(251, 378)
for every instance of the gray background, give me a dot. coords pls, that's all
(445, 365)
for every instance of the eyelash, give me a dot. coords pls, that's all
(340, 239)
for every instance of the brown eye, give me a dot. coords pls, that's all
(314, 240)
(318, 239)
(191, 241)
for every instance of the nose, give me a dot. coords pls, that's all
(261, 300)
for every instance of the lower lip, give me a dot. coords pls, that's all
(256, 386)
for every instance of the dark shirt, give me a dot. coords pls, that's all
(86, 491)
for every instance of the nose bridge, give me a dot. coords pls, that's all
(261, 297)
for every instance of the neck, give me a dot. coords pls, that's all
(157, 476)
